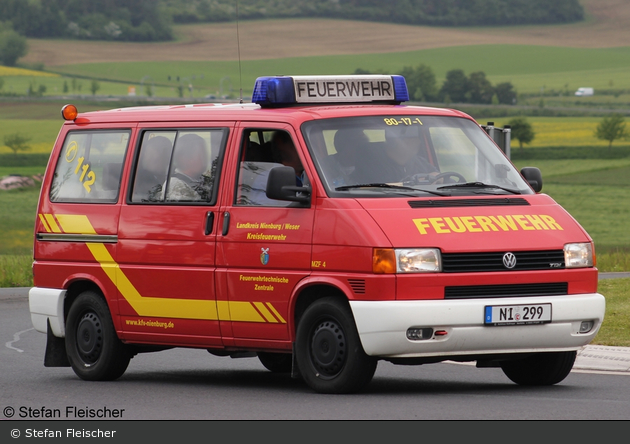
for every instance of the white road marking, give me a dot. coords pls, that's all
(16, 337)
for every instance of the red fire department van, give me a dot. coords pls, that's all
(322, 228)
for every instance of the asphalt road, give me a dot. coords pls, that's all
(188, 384)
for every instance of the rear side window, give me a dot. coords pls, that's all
(178, 166)
(90, 167)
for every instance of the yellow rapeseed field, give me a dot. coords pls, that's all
(560, 131)
(11, 71)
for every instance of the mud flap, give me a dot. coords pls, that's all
(295, 371)
(55, 350)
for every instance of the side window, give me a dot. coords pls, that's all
(262, 150)
(178, 166)
(90, 167)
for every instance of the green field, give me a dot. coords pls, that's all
(533, 70)
(529, 68)
(55, 87)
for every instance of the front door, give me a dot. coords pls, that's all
(264, 249)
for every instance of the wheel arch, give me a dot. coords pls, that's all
(307, 294)
(75, 287)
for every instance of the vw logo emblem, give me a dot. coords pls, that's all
(509, 260)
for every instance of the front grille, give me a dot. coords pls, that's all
(511, 290)
(480, 262)
(444, 203)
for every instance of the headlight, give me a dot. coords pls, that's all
(418, 260)
(578, 255)
(406, 260)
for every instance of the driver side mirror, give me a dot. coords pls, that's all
(533, 176)
(281, 186)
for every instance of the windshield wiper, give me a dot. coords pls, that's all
(386, 185)
(478, 185)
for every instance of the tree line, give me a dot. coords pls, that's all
(456, 88)
(151, 20)
(124, 20)
(413, 12)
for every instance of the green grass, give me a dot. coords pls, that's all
(615, 260)
(615, 329)
(16, 271)
(603, 211)
(18, 209)
(555, 169)
(530, 68)
(22, 171)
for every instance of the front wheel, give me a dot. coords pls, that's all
(328, 349)
(94, 350)
(540, 369)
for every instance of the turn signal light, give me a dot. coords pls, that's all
(384, 261)
(69, 112)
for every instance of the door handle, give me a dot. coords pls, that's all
(209, 222)
(226, 223)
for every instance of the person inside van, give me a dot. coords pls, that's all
(285, 153)
(349, 142)
(152, 169)
(190, 161)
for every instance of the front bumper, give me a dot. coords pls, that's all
(382, 326)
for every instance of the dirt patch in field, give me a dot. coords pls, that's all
(606, 26)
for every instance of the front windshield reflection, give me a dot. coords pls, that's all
(423, 154)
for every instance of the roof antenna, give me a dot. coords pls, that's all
(238, 44)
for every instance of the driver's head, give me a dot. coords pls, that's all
(348, 143)
(403, 142)
(191, 157)
(284, 151)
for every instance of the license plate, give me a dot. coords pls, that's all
(517, 314)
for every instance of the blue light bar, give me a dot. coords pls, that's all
(284, 90)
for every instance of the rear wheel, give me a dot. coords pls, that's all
(328, 349)
(540, 369)
(276, 362)
(94, 350)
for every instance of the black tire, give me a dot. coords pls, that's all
(540, 369)
(276, 362)
(94, 350)
(328, 349)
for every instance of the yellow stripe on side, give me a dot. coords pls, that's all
(147, 306)
(244, 312)
(44, 223)
(275, 312)
(52, 224)
(223, 307)
(268, 316)
(75, 223)
(239, 311)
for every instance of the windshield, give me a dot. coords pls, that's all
(407, 154)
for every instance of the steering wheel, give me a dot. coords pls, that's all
(447, 174)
